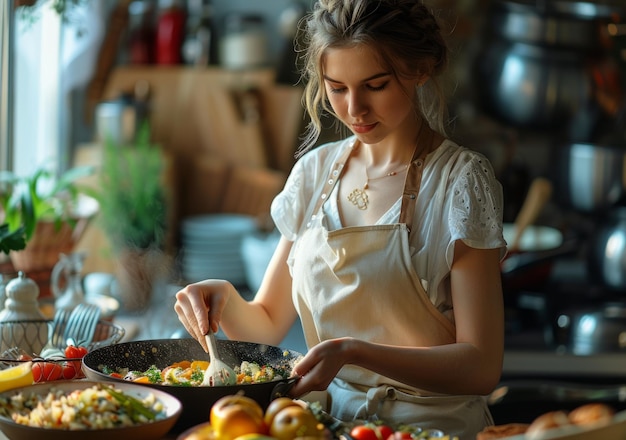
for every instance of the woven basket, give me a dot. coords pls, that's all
(47, 243)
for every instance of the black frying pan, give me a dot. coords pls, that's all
(197, 401)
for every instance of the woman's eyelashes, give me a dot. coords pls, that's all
(371, 87)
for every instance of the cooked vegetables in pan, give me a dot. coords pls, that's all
(191, 373)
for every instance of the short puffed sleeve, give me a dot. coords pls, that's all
(476, 208)
(291, 207)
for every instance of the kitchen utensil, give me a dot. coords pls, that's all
(538, 195)
(197, 401)
(57, 332)
(591, 177)
(142, 431)
(553, 61)
(82, 323)
(218, 373)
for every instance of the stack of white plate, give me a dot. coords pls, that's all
(211, 246)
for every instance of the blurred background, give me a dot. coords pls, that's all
(537, 86)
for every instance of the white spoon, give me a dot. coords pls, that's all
(218, 373)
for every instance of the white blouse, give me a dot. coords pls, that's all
(460, 199)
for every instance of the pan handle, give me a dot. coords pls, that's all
(282, 388)
(518, 262)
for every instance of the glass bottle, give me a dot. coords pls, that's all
(70, 293)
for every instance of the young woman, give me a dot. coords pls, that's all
(391, 238)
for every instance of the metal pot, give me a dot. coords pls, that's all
(607, 251)
(197, 401)
(543, 63)
(592, 177)
(597, 329)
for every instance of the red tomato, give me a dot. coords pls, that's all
(46, 371)
(72, 352)
(384, 431)
(363, 432)
(69, 370)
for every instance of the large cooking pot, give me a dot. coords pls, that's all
(542, 64)
(197, 401)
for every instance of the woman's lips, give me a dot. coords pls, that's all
(363, 128)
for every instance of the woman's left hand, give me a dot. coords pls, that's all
(320, 365)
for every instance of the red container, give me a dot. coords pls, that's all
(170, 34)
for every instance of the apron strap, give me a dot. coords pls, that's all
(413, 179)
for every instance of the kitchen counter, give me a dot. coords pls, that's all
(562, 365)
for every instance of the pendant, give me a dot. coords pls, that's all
(358, 197)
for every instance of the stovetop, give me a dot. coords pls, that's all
(534, 346)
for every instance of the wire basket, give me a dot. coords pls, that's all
(31, 336)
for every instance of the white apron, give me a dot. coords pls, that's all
(359, 282)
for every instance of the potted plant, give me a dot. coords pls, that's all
(52, 213)
(11, 240)
(133, 214)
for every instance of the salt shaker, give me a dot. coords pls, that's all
(21, 302)
(21, 308)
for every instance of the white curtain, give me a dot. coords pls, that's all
(52, 58)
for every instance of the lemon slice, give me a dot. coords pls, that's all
(18, 376)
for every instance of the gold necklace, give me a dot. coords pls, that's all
(358, 197)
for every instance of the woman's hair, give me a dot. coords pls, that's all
(404, 33)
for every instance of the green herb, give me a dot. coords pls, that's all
(106, 370)
(132, 194)
(153, 374)
(137, 411)
(197, 375)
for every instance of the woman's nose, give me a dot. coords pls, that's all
(356, 105)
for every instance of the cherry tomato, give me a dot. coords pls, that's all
(46, 371)
(72, 352)
(384, 431)
(363, 432)
(69, 370)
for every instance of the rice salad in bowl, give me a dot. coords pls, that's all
(76, 409)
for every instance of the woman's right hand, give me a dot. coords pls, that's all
(200, 305)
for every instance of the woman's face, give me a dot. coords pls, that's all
(366, 97)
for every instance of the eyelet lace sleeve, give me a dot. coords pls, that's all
(475, 214)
